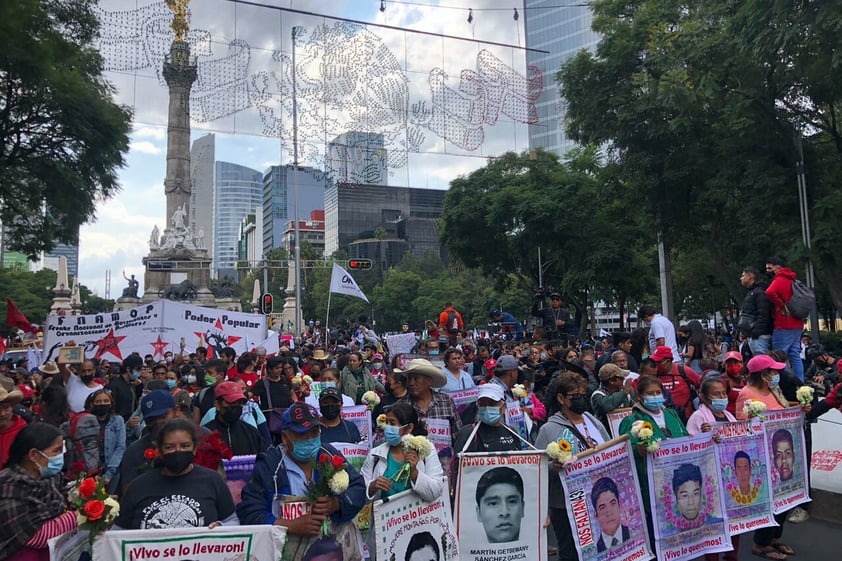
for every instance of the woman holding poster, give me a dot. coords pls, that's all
(712, 410)
(567, 400)
(390, 469)
(664, 424)
(763, 379)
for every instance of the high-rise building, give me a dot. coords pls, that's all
(202, 157)
(370, 221)
(70, 252)
(250, 245)
(279, 183)
(357, 157)
(237, 191)
(563, 30)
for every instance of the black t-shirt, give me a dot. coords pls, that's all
(345, 431)
(487, 439)
(125, 398)
(279, 392)
(134, 461)
(205, 399)
(193, 500)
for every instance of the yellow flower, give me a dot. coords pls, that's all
(564, 445)
(645, 434)
(339, 482)
(560, 451)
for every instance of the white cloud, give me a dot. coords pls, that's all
(145, 147)
(155, 133)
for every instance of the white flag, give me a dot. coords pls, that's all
(343, 283)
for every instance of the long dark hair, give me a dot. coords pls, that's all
(175, 425)
(55, 409)
(562, 384)
(35, 435)
(405, 414)
(697, 338)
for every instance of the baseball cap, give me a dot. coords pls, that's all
(506, 363)
(611, 370)
(300, 418)
(156, 403)
(330, 392)
(764, 362)
(491, 391)
(733, 355)
(661, 353)
(230, 392)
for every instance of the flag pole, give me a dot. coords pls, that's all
(327, 319)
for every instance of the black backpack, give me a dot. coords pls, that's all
(452, 322)
(803, 300)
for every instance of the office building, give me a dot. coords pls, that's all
(202, 157)
(357, 157)
(250, 245)
(563, 30)
(237, 191)
(279, 183)
(383, 223)
(310, 231)
(70, 252)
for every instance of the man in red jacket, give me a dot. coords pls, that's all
(10, 424)
(786, 335)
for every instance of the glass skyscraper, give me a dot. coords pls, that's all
(238, 190)
(278, 199)
(563, 31)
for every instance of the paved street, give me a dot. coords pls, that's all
(814, 540)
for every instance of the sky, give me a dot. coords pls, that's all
(240, 47)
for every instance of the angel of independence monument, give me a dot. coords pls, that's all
(178, 264)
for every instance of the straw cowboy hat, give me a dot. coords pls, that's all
(13, 397)
(424, 367)
(49, 367)
(320, 354)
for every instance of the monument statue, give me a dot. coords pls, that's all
(179, 18)
(154, 240)
(131, 290)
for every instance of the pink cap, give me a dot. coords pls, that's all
(764, 362)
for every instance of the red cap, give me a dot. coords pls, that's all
(661, 353)
(230, 392)
(734, 355)
(27, 391)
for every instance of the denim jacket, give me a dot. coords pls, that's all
(114, 445)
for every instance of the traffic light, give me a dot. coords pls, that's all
(266, 304)
(360, 264)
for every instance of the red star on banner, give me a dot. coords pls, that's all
(110, 344)
(159, 347)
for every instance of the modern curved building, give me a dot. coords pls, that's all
(238, 191)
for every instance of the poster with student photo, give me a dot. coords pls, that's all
(501, 505)
(407, 528)
(360, 415)
(686, 498)
(745, 475)
(785, 444)
(604, 504)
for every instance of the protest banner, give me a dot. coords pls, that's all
(604, 504)
(238, 471)
(463, 398)
(355, 454)
(72, 546)
(360, 415)
(785, 443)
(407, 527)
(826, 463)
(615, 418)
(687, 498)
(745, 473)
(224, 543)
(401, 343)
(153, 328)
(501, 505)
(439, 434)
(517, 419)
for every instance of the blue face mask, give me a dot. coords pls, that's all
(434, 352)
(171, 384)
(54, 465)
(776, 379)
(392, 434)
(489, 415)
(304, 450)
(653, 402)
(135, 374)
(328, 385)
(719, 405)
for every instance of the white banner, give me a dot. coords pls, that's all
(687, 498)
(501, 505)
(407, 527)
(826, 464)
(360, 415)
(72, 546)
(401, 343)
(785, 443)
(341, 282)
(603, 498)
(220, 544)
(155, 329)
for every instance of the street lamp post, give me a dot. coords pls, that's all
(295, 31)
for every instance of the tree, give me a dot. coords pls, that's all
(62, 138)
(31, 293)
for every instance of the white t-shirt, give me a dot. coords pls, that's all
(77, 393)
(661, 327)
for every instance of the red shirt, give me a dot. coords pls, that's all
(779, 293)
(8, 435)
(678, 387)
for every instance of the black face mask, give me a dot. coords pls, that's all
(388, 387)
(330, 412)
(87, 379)
(176, 462)
(101, 410)
(232, 414)
(579, 405)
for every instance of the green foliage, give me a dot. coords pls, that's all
(31, 293)
(62, 138)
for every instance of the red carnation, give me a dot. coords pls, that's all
(150, 453)
(94, 509)
(324, 459)
(338, 462)
(87, 487)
